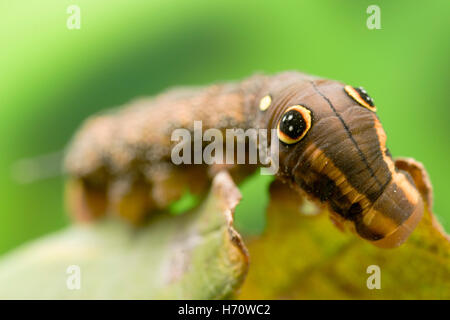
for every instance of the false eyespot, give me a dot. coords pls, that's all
(361, 96)
(294, 124)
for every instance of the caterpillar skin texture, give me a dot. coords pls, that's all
(120, 162)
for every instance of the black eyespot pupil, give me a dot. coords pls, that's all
(292, 124)
(364, 95)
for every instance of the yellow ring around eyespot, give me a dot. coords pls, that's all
(265, 102)
(306, 114)
(355, 95)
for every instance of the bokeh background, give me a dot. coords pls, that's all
(52, 78)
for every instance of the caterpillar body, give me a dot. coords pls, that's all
(331, 147)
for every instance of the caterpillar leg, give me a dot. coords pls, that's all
(169, 183)
(134, 198)
(294, 198)
(86, 201)
(130, 200)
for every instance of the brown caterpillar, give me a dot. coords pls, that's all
(331, 147)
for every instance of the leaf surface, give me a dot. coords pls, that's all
(197, 255)
(305, 257)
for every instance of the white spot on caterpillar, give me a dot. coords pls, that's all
(265, 102)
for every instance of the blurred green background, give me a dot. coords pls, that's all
(52, 78)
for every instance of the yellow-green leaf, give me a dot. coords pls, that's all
(306, 257)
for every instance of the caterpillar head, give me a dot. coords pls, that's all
(333, 147)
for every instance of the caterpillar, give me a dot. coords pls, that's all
(332, 147)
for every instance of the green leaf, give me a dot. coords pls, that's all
(303, 256)
(197, 255)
